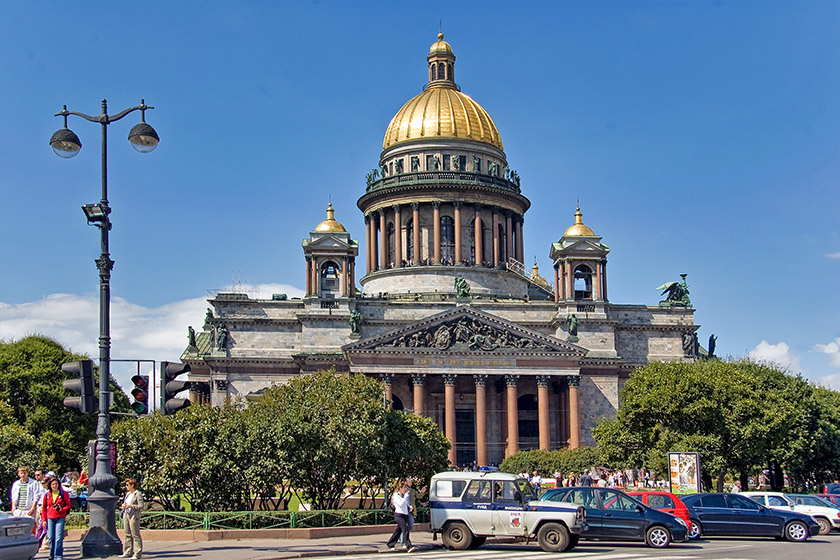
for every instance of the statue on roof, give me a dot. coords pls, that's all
(355, 322)
(462, 288)
(676, 294)
(399, 166)
(572, 324)
(712, 344)
(191, 337)
(208, 319)
(415, 164)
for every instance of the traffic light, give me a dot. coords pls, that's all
(86, 401)
(169, 387)
(140, 394)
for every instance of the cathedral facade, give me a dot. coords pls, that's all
(444, 311)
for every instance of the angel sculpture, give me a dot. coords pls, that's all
(676, 294)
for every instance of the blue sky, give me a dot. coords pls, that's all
(700, 137)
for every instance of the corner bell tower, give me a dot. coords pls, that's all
(330, 260)
(580, 264)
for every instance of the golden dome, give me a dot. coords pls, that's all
(442, 112)
(330, 224)
(440, 46)
(579, 229)
(535, 276)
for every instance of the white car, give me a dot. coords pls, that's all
(468, 507)
(16, 539)
(827, 517)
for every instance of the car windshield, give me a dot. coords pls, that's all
(811, 501)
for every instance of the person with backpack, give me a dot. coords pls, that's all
(54, 511)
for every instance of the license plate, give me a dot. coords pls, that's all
(15, 531)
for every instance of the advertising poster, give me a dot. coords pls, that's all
(684, 472)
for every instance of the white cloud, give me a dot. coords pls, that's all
(137, 332)
(778, 354)
(832, 349)
(834, 256)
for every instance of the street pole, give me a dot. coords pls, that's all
(101, 538)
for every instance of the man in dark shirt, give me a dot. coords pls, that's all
(585, 479)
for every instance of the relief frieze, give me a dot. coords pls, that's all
(465, 334)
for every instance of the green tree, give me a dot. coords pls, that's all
(738, 415)
(548, 462)
(31, 388)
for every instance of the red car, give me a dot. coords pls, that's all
(664, 501)
(832, 498)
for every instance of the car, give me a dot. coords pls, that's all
(825, 515)
(468, 507)
(721, 514)
(613, 515)
(833, 499)
(812, 500)
(17, 539)
(832, 488)
(663, 501)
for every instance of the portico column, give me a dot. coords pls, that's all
(596, 285)
(512, 416)
(520, 247)
(388, 379)
(383, 240)
(495, 237)
(564, 410)
(542, 411)
(308, 276)
(315, 284)
(570, 281)
(480, 419)
(352, 286)
(478, 255)
(556, 283)
(397, 236)
(367, 245)
(415, 229)
(374, 242)
(449, 413)
(344, 276)
(604, 279)
(457, 206)
(417, 380)
(508, 235)
(574, 414)
(436, 231)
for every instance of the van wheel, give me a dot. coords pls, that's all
(457, 536)
(477, 542)
(658, 537)
(796, 531)
(553, 537)
(573, 541)
(825, 525)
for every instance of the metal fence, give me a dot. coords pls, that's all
(220, 520)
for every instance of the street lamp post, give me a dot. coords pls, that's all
(101, 538)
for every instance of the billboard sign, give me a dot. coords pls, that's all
(684, 472)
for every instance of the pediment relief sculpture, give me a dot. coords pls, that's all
(465, 334)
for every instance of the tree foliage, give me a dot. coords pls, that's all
(547, 462)
(310, 436)
(36, 429)
(740, 416)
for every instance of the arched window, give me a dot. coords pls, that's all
(330, 277)
(450, 74)
(433, 75)
(441, 71)
(583, 282)
(391, 246)
(447, 239)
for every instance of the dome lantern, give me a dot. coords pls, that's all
(330, 224)
(441, 64)
(579, 229)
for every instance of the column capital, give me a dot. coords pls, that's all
(395, 207)
(388, 378)
(543, 380)
(573, 380)
(511, 379)
(436, 203)
(480, 379)
(418, 378)
(415, 205)
(508, 213)
(457, 204)
(449, 378)
(478, 206)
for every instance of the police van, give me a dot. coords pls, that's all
(469, 507)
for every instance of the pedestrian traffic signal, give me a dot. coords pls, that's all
(86, 401)
(170, 388)
(140, 394)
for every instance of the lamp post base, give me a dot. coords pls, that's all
(98, 543)
(102, 540)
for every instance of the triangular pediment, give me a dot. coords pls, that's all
(464, 330)
(328, 242)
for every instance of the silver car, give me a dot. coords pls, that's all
(469, 507)
(16, 539)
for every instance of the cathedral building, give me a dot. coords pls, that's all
(443, 310)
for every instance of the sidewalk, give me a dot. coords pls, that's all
(261, 549)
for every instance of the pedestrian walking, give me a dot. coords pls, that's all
(24, 494)
(132, 509)
(400, 502)
(55, 510)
